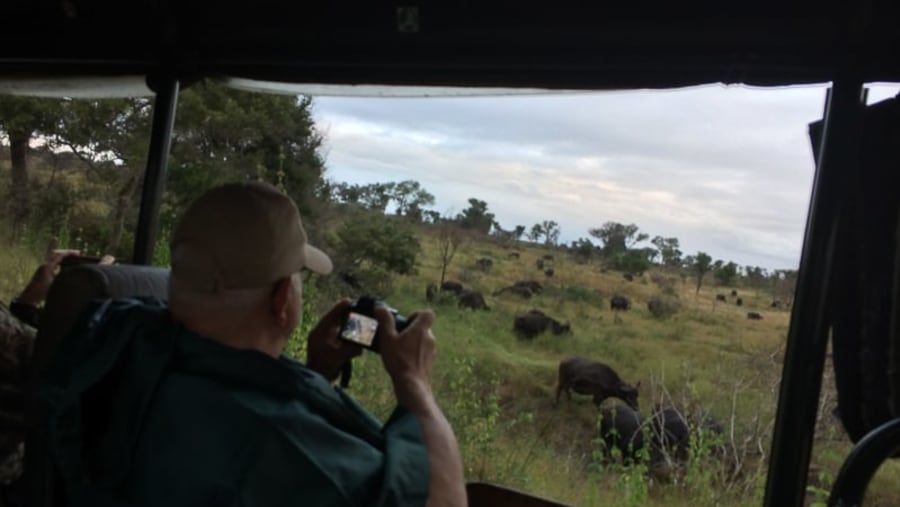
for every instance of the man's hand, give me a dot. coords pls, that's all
(36, 291)
(325, 352)
(408, 358)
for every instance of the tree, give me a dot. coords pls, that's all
(450, 237)
(476, 217)
(551, 232)
(632, 261)
(518, 232)
(583, 249)
(726, 274)
(111, 138)
(668, 250)
(222, 134)
(410, 198)
(20, 119)
(380, 241)
(701, 264)
(617, 238)
(536, 232)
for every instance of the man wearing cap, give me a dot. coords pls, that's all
(202, 408)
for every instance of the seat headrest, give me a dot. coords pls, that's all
(74, 288)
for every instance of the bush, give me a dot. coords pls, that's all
(662, 306)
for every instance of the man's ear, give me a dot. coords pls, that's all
(282, 295)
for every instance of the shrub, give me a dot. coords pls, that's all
(662, 306)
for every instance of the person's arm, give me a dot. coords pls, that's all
(408, 358)
(27, 307)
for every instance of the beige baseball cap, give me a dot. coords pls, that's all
(242, 236)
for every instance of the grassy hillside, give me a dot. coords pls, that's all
(499, 391)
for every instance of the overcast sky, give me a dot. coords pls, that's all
(726, 170)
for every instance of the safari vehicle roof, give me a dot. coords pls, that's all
(50, 46)
(525, 43)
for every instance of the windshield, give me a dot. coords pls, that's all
(657, 232)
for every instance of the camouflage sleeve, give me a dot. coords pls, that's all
(16, 343)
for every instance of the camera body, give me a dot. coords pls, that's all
(361, 328)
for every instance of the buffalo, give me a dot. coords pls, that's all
(534, 286)
(733, 293)
(628, 276)
(721, 297)
(450, 286)
(619, 303)
(621, 428)
(548, 257)
(524, 292)
(754, 316)
(473, 299)
(739, 301)
(549, 273)
(596, 379)
(484, 264)
(539, 263)
(536, 322)
(669, 433)
(430, 292)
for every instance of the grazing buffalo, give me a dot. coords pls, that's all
(534, 286)
(431, 291)
(739, 302)
(628, 276)
(670, 435)
(721, 297)
(548, 273)
(619, 303)
(524, 292)
(450, 286)
(621, 428)
(733, 293)
(473, 299)
(754, 316)
(535, 322)
(514, 255)
(484, 264)
(777, 304)
(596, 379)
(548, 257)
(539, 263)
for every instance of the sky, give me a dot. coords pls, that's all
(726, 170)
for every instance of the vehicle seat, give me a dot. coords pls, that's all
(72, 291)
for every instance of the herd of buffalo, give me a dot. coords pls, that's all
(664, 437)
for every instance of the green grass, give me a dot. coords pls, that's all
(498, 391)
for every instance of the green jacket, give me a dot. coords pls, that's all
(144, 412)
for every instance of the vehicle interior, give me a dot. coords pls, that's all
(847, 289)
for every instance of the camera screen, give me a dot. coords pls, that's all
(360, 329)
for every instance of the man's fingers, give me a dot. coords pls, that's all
(107, 260)
(422, 319)
(337, 312)
(385, 320)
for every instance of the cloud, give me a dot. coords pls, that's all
(727, 170)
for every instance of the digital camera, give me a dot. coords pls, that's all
(361, 327)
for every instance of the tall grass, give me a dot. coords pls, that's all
(498, 391)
